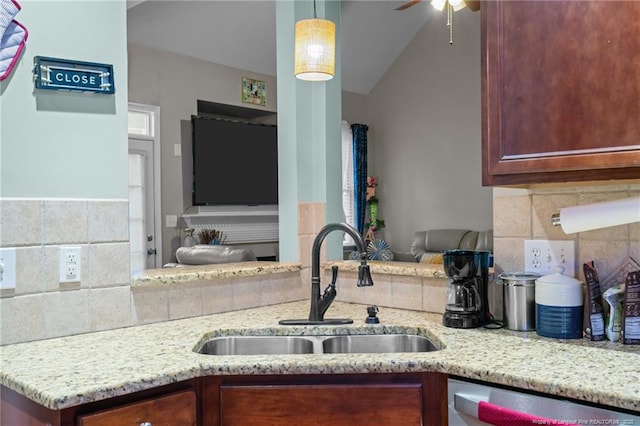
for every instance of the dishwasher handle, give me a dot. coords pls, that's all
(497, 415)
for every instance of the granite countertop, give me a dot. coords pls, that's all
(411, 269)
(187, 273)
(180, 274)
(68, 371)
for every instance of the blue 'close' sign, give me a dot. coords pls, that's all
(75, 79)
(63, 74)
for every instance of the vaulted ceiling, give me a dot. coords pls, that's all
(242, 34)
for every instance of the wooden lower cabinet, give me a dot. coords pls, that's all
(178, 409)
(321, 404)
(380, 399)
(323, 399)
(175, 405)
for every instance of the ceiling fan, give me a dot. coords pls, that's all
(473, 5)
(452, 6)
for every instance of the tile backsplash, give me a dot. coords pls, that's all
(525, 214)
(42, 307)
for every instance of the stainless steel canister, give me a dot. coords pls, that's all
(518, 300)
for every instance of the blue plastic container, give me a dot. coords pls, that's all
(559, 306)
(559, 322)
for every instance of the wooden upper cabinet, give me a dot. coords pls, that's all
(560, 91)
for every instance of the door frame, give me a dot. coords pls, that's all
(154, 136)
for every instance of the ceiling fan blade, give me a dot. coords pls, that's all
(408, 4)
(473, 5)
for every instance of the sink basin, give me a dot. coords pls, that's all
(377, 343)
(257, 345)
(291, 345)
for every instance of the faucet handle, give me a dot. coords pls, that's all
(334, 275)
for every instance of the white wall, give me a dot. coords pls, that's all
(354, 107)
(424, 121)
(175, 83)
(61, 144)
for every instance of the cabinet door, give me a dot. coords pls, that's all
(302, 405)
(560, 91)
(178, 409)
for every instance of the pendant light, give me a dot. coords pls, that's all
(315, 48)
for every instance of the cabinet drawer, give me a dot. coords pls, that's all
(178, 409)
(379, 404)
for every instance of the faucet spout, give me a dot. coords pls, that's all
(364, 275)
(320, 303)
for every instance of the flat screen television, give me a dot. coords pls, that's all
(234, 162)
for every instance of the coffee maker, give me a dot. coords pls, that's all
(467, 300)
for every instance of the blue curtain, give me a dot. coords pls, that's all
(360, 174)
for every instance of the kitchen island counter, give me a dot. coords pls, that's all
(68, 371)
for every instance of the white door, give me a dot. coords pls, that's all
(141, 206)
(144, 188)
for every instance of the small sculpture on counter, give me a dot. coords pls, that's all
(189, 240)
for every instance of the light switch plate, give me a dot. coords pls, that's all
(7, 268)
(543, 256)
(171, 220)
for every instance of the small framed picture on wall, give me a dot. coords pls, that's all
(254, 91)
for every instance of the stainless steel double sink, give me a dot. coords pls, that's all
(330, 344)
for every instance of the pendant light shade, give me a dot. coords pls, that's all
(315, 49)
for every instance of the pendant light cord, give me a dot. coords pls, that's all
(449, 21)
(315, 15)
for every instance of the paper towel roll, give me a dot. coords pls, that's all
(600, 215)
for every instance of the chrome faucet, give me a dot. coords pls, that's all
(320, 303)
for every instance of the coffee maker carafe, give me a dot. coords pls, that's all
(466, 298)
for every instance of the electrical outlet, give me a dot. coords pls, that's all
(543, 256)
(70, 256)
(70, 264)
(72, 271)
(7, 268)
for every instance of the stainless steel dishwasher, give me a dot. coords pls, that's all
(469, 402)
